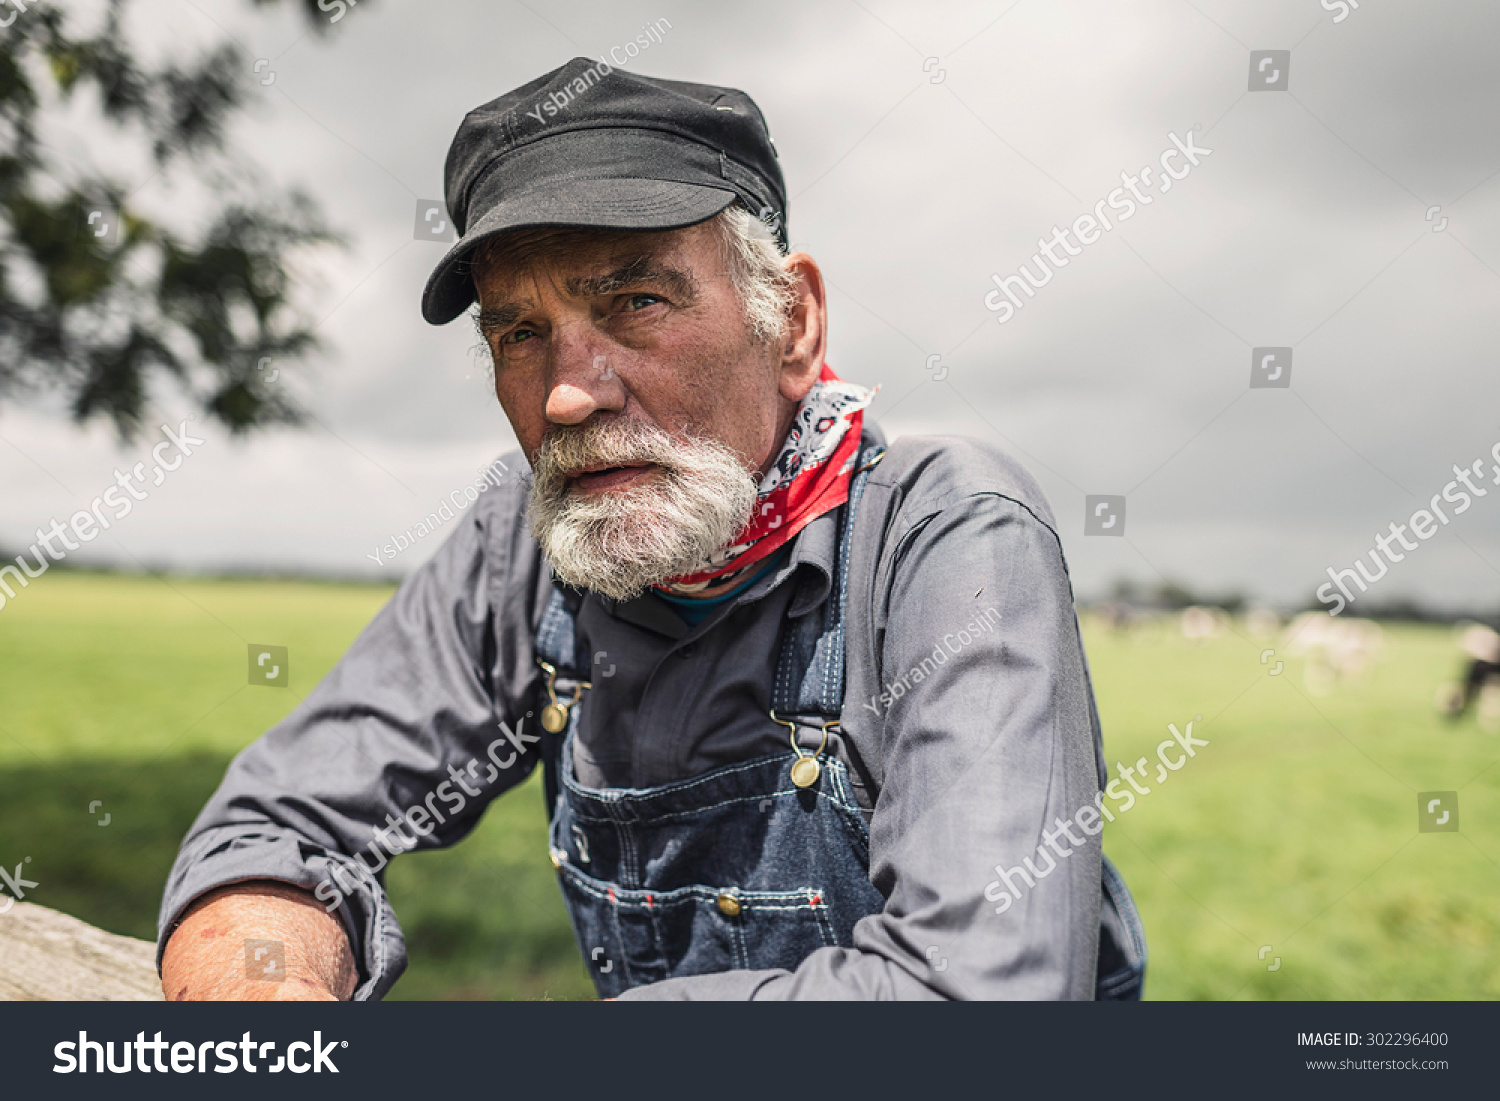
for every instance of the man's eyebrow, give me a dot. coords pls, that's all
(494, 318)
(641, 270)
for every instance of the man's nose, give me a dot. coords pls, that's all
(583, 382)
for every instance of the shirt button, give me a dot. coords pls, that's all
(729, 906)
(688, 650)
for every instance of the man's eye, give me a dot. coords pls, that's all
(641, 301)
(517, 336)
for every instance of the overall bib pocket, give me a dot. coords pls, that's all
(733, 870)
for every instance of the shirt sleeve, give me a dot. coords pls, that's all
(400, 747)
(983, 714)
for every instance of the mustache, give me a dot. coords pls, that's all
(568, 449)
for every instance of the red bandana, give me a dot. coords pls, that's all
(810, 476)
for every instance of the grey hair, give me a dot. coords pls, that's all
(765, 288)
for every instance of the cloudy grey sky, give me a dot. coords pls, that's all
(913, 181)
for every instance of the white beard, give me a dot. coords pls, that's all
(621, 542)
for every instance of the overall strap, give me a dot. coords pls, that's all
(810, 668)
(557, 641)
(557, 644)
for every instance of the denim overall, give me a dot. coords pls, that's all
(739, 868)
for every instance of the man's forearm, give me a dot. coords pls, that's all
(205, 959)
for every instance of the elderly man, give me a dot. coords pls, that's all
(799, 697)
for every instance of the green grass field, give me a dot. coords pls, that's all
(1295, 828)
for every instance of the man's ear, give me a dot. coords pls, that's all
(806, 338)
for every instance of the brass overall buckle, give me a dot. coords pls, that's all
(555, 714)
(805, 769)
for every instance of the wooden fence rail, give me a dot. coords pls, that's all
(46, 956)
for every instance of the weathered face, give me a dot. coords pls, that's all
(647, 410)
(645, 328)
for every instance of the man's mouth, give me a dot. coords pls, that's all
(595, 479)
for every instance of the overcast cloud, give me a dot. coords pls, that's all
(912, 182)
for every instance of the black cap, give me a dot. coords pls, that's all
(591, 146)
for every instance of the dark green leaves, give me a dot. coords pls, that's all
(97, 300)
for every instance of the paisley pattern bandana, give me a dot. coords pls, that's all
(810, 476)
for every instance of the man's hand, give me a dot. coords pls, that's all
(205, 957)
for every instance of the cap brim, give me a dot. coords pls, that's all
(628, 204)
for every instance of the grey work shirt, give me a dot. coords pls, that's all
(960, 765)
